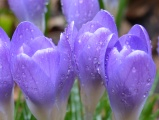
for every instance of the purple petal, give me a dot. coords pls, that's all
(106, 20)
(133, 42)
(102, 19)
(81, 42)
(25, 32)
(130, 81)
(67, 38)
(6, 81)
(35, 84)
(140, 31)
(91, 27)
(80, 11)
(48, 61)
(65, 78)
(88, 58)
(38, 43)
(89, 66)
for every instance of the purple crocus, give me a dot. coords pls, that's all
(43, 71)
(80, 11)
(89, 51)
(130, 72)
(6, 81)
(30, 10)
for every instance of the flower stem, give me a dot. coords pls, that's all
(88, 116)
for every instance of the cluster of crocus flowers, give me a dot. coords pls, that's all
(30, 10)
(93, 52)
(124, 65)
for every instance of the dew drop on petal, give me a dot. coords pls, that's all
(20, 36)
(148, 80)
(88, 46)
(0, 66)
(80, 1)
(113, 91)
(102, 83)
(134, 70)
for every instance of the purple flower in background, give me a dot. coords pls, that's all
(43, 71)
(30, 10)
(89, 51)
(80, 11)
(130, 72)
(6, 81)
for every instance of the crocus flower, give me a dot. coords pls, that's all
(30, 10)
(43, 71)
(6, 81)
(79, 11)
(130, 72)
(89, 49)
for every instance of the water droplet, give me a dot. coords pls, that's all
(20, 36)
(92, 26)
(23, 74)
(100, 42)
(88, 46)
(123, 101)
(95, 59)
(26, 97)
(4, 82)
(23, 66)
(145, 94)
(61, 84)
(113, 91)
(92, 74)
(89, 58)
(102, 83)
(87, 67)
(79, 41)
(80, 1)
(68, 71)
(32, 30)
(98, 70)
(133, 69)
(148, 80)
(0, 66)
(106, 58)
(136, 90)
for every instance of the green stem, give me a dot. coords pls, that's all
(101, 4)
(121, 8)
